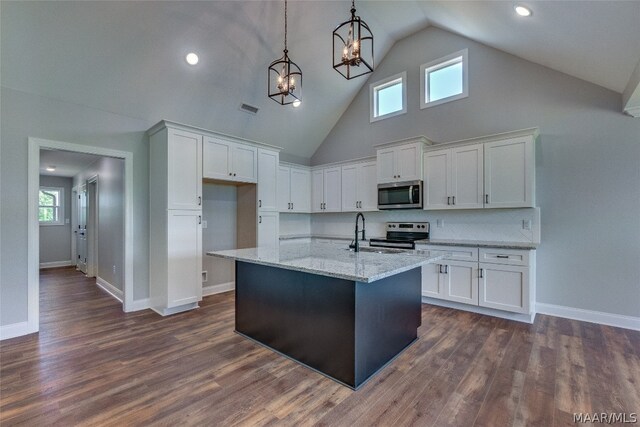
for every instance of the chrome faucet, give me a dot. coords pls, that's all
(356, 246)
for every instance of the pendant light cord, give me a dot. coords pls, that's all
(285, 25)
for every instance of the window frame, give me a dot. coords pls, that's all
(382, 84)
(59, 207)
(454, 58)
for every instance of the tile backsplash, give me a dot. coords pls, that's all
(508, 225)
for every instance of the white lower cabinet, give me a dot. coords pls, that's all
(176, 264)
(504, 281)
(268, 229)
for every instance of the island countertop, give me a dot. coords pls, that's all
(331, 261)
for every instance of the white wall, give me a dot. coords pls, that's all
(25, 115)
(110, 211)
(219, 210)
(55, 240)
(588, 160)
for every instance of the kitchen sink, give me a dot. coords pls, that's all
(380, 250)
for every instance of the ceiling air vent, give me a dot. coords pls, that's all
(249, 109)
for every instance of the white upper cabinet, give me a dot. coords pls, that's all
(453, 178)
(359, 187)
(229, 161)
(268, 166)
(509, 173)
(294, 190)
(400, 163)
(326, 190)
(184, 170)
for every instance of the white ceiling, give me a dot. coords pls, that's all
(67, 163)
(128, 57)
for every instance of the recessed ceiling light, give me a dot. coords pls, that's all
(522, 10)
(192, 58)
(51, 168)
(297, 103)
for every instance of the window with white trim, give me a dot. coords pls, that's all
(388, 97)
(51, 206)
(445, 79)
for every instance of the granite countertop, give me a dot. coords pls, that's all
(330, 261)
(478, 243)
(439, 242)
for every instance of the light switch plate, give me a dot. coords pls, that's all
(526, 224)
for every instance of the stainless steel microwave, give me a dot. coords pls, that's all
(400, 195)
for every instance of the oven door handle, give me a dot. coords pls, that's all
(411, 194)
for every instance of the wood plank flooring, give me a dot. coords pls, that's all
(92, 364)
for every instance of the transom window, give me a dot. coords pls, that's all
(388, 97)
(444, 80)
(50, 206)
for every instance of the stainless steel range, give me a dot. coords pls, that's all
(402, 235)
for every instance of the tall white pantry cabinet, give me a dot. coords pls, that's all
(175, 219)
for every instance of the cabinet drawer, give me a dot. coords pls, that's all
(457, 253)
(505, 256)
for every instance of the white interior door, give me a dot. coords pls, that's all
(81, 234)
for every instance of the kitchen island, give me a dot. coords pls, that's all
(342, 313)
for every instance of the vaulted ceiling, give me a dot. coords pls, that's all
(128, 57)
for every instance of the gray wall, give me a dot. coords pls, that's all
(55, 240)
(110, 211)
(25, 115)
(588, 160)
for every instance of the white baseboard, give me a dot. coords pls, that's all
(609, 319)
(54, 264)
(109, 288)
(16, 330)
(526, 318)
(218, 289)
(139, 304)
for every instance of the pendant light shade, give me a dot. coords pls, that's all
(285, 77)
(353, 47)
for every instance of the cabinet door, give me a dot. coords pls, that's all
(300, 190)
(409, 162)
(467, 177)
(184, 264)
(217, 159)
(461, 282)
(268, 229)
(268, 179)
(184, 170)
(244, 163)
(367, 187)
(505, 287)
(284, 188)
(432, 281)
(333, 189)
(350, 188)
(386, 165)
(317, 191)
(437, 183)
(509, 175)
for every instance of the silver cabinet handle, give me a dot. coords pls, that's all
(260, 219)
(502, 256)
(259, 203)
(199, 200)
(199, 219)
(446, 269)
(454, 199)
(486, 199)
(440, 268)
(482, 273)
(292, 205)
(448, 200)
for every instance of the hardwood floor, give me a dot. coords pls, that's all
(92, 364)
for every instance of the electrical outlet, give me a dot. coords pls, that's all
(526, 224)
(204, 224)
(114, 269)
(439, 223)
(204, 276)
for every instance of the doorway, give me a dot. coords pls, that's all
(83, 215)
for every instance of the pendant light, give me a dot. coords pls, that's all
(353, 47)
(285, 77)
